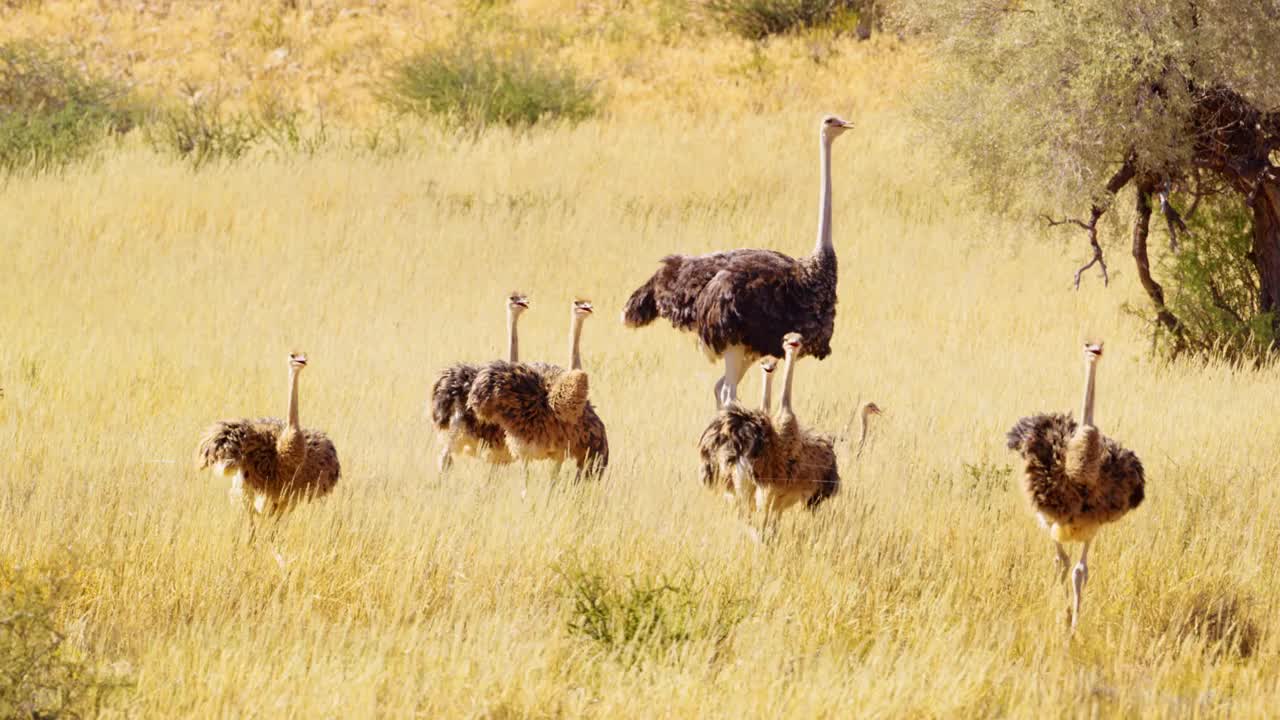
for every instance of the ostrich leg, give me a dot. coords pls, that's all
(735, 367)
(1064, 562)
(1079, 576)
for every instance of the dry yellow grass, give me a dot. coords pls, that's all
(142, 301)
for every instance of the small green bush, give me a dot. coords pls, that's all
(40, 675)
(471, 87)
(643, 615)
(200, 132)
(758, 19)
(1214, 288)
(51, 114)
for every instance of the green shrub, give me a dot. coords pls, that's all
(758, 19)
(1213, 288)
(471, 87)
(642, 614)
(52, 114)
(40, 675)
(200, 132)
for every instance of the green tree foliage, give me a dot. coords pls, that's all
(1072, 103)
(50, 112)
(1214, 287)
(473, 87)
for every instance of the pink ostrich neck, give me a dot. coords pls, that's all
(784, 405)
(575, 336)
(294, 372)
(1090, 371)
(513, 339)
(824, 205)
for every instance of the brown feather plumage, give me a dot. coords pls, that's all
(543, 411)
(251, 446)
(457, 426)
(743, 297)
(742, 449)
(1060, 479)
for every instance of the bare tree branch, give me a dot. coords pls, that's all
(1141, 228)
(1091, 228)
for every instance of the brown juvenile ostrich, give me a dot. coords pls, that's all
(741, 302)
(457, 428)
(1076, 479)
(272, 463)
(717, 438)
(864, 413)
(543, 409)
(773, 463)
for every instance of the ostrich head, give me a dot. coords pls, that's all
(769, 364)
(871, 409)
(582, 308)
(792, 342)
(833, 127)
(518, 302)
(297, 361)
(1092, 352)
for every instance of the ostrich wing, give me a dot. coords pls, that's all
(249, 445)
(510, 395)
(758, 297)
(672, 292)
(449, 405)
(1122, 472)
(734, 434)
(818, 462)
(321, 469)
(449, 393)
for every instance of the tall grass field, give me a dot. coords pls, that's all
(143, 300)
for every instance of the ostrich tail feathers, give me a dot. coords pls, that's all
(221, 446)
(449, 394)
(642, 307)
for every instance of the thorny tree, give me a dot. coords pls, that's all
(1168, 101)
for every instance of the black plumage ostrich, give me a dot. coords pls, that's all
(742, 302)
(1076, 479)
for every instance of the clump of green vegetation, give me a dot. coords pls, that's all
(758, 19)
(52, 114)
(637, 614)
(1215, 289)
(41, 676)
(201, 132)
(472, 87)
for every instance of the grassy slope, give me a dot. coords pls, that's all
(142, 301)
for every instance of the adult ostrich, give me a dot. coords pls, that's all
(742, 302)
(1076, 479)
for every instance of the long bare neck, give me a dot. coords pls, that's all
(785, 405)
(575, 335)
(824, 205)
(862, 437)
(1090, 372)
(513, 339)
(767, 399)
(293, 397)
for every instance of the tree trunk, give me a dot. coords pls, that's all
(1141, 229)
(1266, 248)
